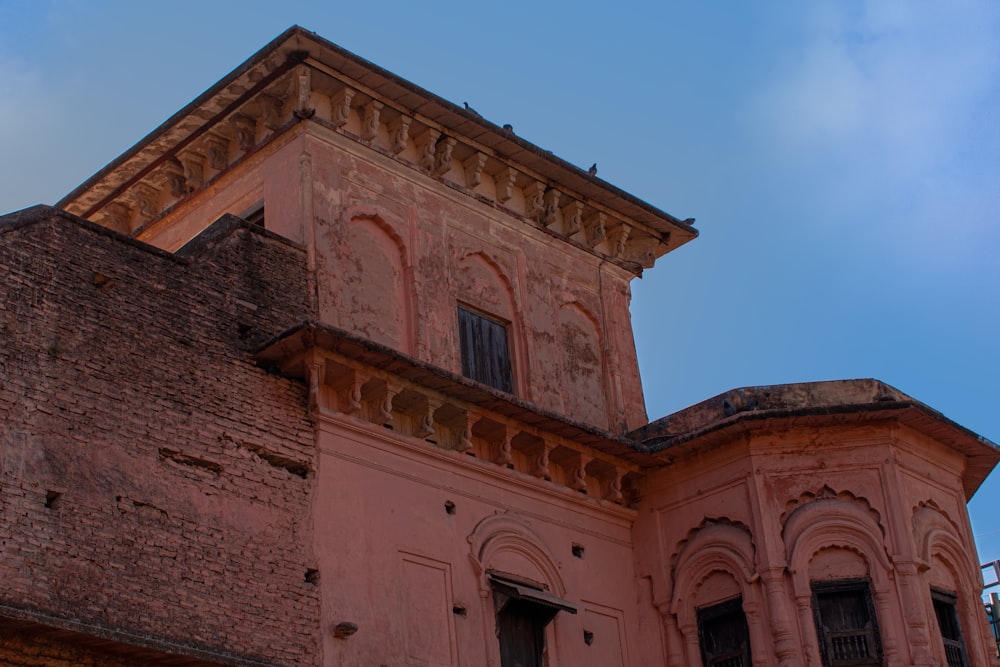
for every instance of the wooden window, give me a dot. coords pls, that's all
(723, 635)
(951, 632)
(846, 623)
(485, 350)
(522, 612)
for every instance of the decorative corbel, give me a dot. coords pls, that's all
(505, 180)
(442, 157)
(400, 134)
(579, 482)
(534, 200)
(474, 169)
(370, 125)
(500, 449)
(176, 178)
(614, 492)
(572, 218)
(194, 168)
(465, 425)
(217, 147)
(428, 145)
(617, 238)
(541, 462)
(244, 131)
(596, 228)
(642, 250)
(303, 96)
(119, 217)
(270, 108)
(550, 210)
(340, 106)
(424, 425)
(147, 200)
(315, 370)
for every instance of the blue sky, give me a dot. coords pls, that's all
(842, 158)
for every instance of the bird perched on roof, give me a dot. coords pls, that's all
(468, 108)
(593, 169)
(509, 128)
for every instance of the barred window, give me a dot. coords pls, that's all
(723, 635)
(946, 611)
(846, 623)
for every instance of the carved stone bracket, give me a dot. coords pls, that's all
(474, 169)
(370, 125)
(427, 145)
(550, 210)
(572, 218)
(176, 178)
(217, 147)
(270, 108)
(400, 134)
(340, 106)
(534, 200)
(244, 131)
(303, 94)
(505, 180)
(119, 217)
(596, 228)
(442, 158)
(194, 168)
(147, 201)
(616, 239)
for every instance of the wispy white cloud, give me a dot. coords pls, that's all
(897, 96)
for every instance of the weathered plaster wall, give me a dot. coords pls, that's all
(152, 480)
(405, 533)
(398, 251)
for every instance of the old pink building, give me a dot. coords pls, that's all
(327, 370)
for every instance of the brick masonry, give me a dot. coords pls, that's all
(153, 481)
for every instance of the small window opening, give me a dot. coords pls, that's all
(946, 611)
(846, 623)
(485, 350)
(723, 635)
(255, 214)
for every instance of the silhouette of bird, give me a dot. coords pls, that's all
(593, 169)
(468, 108)
(509, 128)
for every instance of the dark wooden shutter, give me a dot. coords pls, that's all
(485, 350)
(846, 625)
(951, 631)
(723, 635)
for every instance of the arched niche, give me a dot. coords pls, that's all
(583, 372)
(507, 544)
(374, 297)
(948, 566)
(714, 563)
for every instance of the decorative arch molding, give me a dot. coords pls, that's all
(502, 534)
(716, 545)
(938, 541)
(835, 522)
(828, 493)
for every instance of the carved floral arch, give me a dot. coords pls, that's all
(715, 546)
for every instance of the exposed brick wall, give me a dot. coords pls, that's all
(153, 479)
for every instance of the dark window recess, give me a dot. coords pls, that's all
(255, 215)
(723, 635)
(522, 613)
(485, 350)
(846, 623)
(951, 632)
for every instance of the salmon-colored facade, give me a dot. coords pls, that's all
(343, 375)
